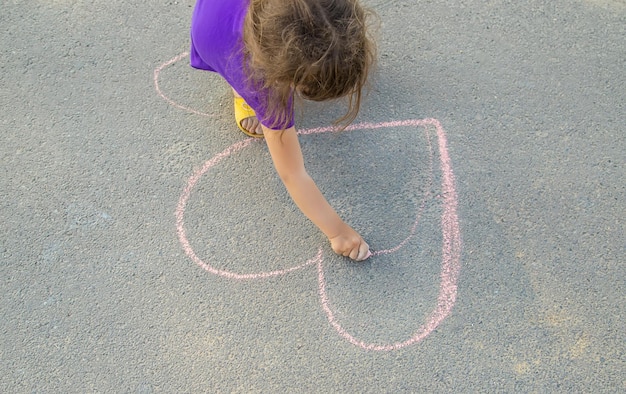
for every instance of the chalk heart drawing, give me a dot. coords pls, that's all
(451, 236)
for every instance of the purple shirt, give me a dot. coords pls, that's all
(217, 45)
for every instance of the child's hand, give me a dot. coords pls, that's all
(350, 244)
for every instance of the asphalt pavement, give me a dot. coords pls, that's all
(148, 246)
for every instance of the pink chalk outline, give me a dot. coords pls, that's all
(451, 235)
(451, 250)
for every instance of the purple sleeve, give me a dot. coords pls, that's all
(216, 45)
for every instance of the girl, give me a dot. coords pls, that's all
(274, 51)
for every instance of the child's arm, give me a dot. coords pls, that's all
(286, 154)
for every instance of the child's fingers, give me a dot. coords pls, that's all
(355, 249)
(355, 252)
(363, 251)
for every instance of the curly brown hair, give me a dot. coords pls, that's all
(321, 49)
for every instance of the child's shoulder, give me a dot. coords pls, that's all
(220, 14)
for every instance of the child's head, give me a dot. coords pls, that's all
(319, 48)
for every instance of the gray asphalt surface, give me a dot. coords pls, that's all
(98, 294)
